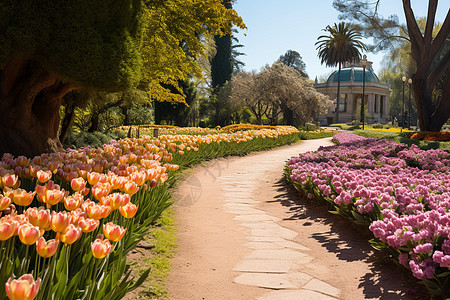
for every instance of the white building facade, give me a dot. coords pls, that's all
(376, 96)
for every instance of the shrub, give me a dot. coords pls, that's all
(378, 125)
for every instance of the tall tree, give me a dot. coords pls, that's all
(52, 47)
(293, 59)
(342, 44)
(221, 66)
(430, 53)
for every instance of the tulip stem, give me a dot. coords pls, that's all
(24, 265)
(36, 266)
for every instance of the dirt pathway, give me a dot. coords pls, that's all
(244, 235)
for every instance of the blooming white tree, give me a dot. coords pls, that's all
(279, 91)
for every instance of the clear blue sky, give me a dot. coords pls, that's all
(277, 26)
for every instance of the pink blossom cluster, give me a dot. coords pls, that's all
(347, 137)
(403, 193)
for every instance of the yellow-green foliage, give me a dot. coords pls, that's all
(113, 45)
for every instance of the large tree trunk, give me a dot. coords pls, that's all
(424, 49)
(30, 98)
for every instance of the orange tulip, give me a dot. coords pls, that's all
(88, 225)
(20, 220)
(97, 212)
(52, 196)
(77, 214)
(29, 234)
(7, 228)
(113, 232)
(93, 178)
(78, 184)
(10, 180)
(115, 181)
(19, 196)
(23, 288)
(70, 235)
(43, 176)
(129, 210)
(117, 200)
(138, 178)
(100, 247)
(101, 190)
(40, 217)
(164, 177)
(130, 188)
(5, 202)
(60, 221)
(73, 202)
(46, 248)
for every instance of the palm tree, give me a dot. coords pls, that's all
(341, 45)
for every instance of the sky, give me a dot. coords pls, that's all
(277, 26)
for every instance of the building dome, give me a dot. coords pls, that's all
(353, 73)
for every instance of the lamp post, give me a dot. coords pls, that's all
(364, 64)
(409, 103)
(403, 105)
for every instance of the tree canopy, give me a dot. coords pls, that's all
(293, 59)
(52, 47)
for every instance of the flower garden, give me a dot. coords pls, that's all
(400, 193)
(69, 219)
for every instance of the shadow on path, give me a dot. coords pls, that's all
(350, 243)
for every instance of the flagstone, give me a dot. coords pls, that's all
(264, 265)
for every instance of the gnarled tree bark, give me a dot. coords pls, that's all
(424, 50)
(30, 98)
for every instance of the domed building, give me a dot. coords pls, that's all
(376, 95)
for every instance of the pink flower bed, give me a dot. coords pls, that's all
(401, 193)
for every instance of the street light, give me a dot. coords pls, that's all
(364, 64)
(403, 106)
(409, 103)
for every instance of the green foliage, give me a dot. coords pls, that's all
(293, 59)
(177, 113)
(306, 135)
(377, 125)
(94, 139)
(309, 127)
(342, 44)
(91, 43)
(112, 45)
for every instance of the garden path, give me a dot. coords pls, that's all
(244, 235)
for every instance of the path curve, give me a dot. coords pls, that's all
(243, 235)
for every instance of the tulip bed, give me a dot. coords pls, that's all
(401, 193)
(69, 219)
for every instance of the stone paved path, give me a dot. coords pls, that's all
(275, 261)
(234, 240)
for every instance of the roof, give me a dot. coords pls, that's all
(354, 74)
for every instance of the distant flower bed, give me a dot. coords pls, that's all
(388, 129)
(237, 127)
(431, 136)
(401, 193)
